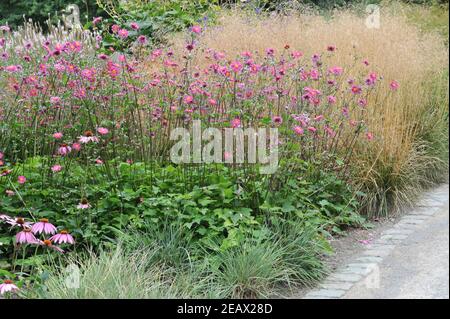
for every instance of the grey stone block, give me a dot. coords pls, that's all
(326, 293)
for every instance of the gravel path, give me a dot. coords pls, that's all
(408, 258)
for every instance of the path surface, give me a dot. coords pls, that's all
(409, 260)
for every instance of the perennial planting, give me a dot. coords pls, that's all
(85, 146)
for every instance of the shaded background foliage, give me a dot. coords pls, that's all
(13, 11)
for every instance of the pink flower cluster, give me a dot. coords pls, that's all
(29, 230)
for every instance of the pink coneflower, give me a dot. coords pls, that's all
(236, 66)
(394, 85)
(56, 168)
(336, 70)
(298, 130)
(5, 172)
(331, 48)
(15, 222)
(43, 226)
(134, 26)
(84, 204)
(21, 179)
(96, 20)
(101, 56)
(9, 193)
(319, 118)
(58, 135)
(115, 28)
(64, 149)
(236, 123)
(312, 129)
(55, 100)
(212, 102)
(296, 54)
(331, 99)
(196, 29)
(99, 161)
(26, 237)
(123, 33)
(142, 39)
(362, 102)
(62, 238)
(356, 89)
(49, 244)
(270, 51)
(369, 136)
(277, 120)
(188, 99)
(102, 131)
(88, 137)
(7, 286)
(76, 146)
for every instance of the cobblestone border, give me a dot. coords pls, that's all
(338, 283)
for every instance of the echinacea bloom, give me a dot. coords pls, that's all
(236, 123)
(62, 238)
(56, 168)
(58, 135)
(43, 226)
(188, 99)
(96, 20)
(64, 149)
(55, 100)
(336, 70)
(7, 286)
(369, 136)
(142, 39)
(196, 29)
(26, 237)
(9, 193)
(84, 204)
(331, 99)
(18, 221)
(21, 179)
(236, 66)
(312, 129)
(356, 89)
(298, 130)
(76, 146)
(123, 33)
(362, 102)
(134, 26)
(394, 85)
(88, 137)
(49, 244)
(277, 120)
(102, 131)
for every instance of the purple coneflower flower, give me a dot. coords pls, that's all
(26, 237)
(7, 286)
(84, 204)
(88, 137)
(43, 226)
(64, 149)
(49, 244)
(62, 238)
